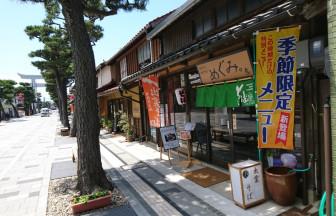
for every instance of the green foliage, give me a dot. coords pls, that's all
(109, 124)
(106, 123)
(8, 90)
(103, 121)
(125, 125)
(86, 198)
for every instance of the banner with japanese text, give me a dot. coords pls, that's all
(151, 90)
(275, 84)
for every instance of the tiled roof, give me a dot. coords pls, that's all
(148, 27)
(248, 26)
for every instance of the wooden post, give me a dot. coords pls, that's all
(169, 152)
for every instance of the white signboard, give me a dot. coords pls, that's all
(247, 183)
(253, 186)
(180, 96)
(169, 137)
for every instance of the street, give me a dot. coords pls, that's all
(25, 152)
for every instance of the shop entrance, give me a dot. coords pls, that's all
(115, 107)
(233, 135)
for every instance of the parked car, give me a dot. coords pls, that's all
(45, 112)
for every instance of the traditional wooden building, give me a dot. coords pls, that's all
(202, 33)
(114, 98)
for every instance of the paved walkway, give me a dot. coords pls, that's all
(183, 195)
(31, 155)
(25, 149)
(140, 163)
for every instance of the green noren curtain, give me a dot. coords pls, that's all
(240, 93)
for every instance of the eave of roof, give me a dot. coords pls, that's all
(188, 5)
(142, 33)
(249, 25)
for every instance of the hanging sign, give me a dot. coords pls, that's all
(275, 83)
(151, 90)
(235, 66)
(236, 94)
(180, 96)
(169, 137)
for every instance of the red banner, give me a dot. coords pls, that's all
(282, 131)
(151, 89)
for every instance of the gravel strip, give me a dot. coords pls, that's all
(61, 191)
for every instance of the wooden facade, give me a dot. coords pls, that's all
(202, 21)
(206, 19)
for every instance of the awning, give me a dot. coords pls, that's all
(112, 91)
(237, 94)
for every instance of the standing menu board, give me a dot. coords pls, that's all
(247, 183)
(169, 137)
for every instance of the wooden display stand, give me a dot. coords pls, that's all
(247, 183)
(186, 136)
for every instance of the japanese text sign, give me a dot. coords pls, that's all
(180, 96)
(275, 83)
(151, 90)
(230, 67)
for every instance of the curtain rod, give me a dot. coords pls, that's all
(231, 81)
(275, 28)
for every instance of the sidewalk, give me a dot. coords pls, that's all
(140, 162)
(26, 148)
(152, 186)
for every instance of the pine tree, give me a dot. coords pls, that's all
(90, 172)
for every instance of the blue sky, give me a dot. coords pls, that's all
(15, 45)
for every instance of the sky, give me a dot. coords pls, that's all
(15, 44)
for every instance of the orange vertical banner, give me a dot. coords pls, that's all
(275, 85)
(151, 90)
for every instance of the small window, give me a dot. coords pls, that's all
(208, 23)
(204, 24)
(123, 68)
(251, 5)
(198, 23)
(144, 54)
(221, 14)
(233, 9)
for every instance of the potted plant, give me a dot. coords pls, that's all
(125, 126)
(91, 201)
(109, 126)
(269, 155)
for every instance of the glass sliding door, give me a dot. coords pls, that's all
(244, 133)
(221, 145)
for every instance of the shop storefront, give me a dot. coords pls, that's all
(214, 90)
(112, 103)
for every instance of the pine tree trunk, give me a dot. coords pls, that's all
(1, 110)
(62, 99)
(90, 172)
(59, 107)
(73, 128)
(59, 103)
(16, 114)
